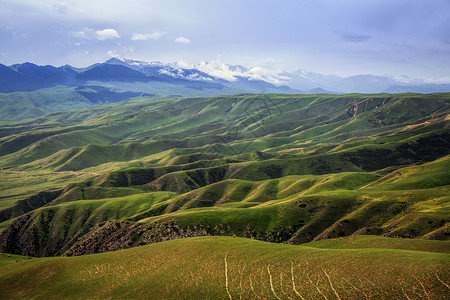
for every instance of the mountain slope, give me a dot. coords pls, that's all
(293, 209)
(112, 81)
(225, 267)
(280, 168)
(30, 77)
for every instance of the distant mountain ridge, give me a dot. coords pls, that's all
(306, 81)
(30, 77)
(29, 91)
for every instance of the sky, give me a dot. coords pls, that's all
(340, 37)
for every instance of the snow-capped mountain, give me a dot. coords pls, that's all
(211, 78)
(157, 68)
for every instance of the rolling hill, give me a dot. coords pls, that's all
(179, 197)
(225, 267)
(29, 91)
(274, 167)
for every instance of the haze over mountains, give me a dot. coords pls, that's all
(222, 79)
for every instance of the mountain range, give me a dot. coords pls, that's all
(30, 77)
(29, 91)
(351, 191)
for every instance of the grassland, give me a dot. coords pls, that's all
(325, 171)
(225, 267)
(292, 209)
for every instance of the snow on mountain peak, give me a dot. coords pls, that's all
(205, 70)
(301, 79)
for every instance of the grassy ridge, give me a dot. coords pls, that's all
(24, 105)
(55, 227)
(378, 242)
(12, 187)
(241, 123)
(293, 209)
(223, 267)
(281, 168)
(292, 169)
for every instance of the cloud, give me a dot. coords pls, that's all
(182, 40)
(89, 34)
(106, 34)
(230, 72)
(113, 54)
(149, 36)
(81, 35)
(62, 7)
(218, 69)
(438, 80)
(260, 73)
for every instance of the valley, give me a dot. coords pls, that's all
(225, 150)
(272, 195)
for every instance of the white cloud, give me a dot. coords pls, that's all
(62, 6)
(260, 73)
(182, 40)
(437, 80)
(113, 54)
(106, 34)
(81, 35)
(218, 69)
(230, 72)
(149, 36)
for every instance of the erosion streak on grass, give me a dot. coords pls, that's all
(226, 278)
(423, 288)
(293, 282)
(355, 288)
(406, 295)
(317, 287)
(281, 284)
(271, 284)
(240, 281)
(104, 276)
(251, 283)
(442, 282)
(331, 284)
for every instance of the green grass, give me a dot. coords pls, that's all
(294, 209)
(424, 176)
(9, 259)
(285, 168)
(17, 185)
(293, 169)
(378, 242)
(56, 225)
(24, 105)
(252, 122)
(225, 267)
(5, 224)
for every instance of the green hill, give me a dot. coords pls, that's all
(279, 168)
(225, 267)
(352, 191)
(291, 209)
